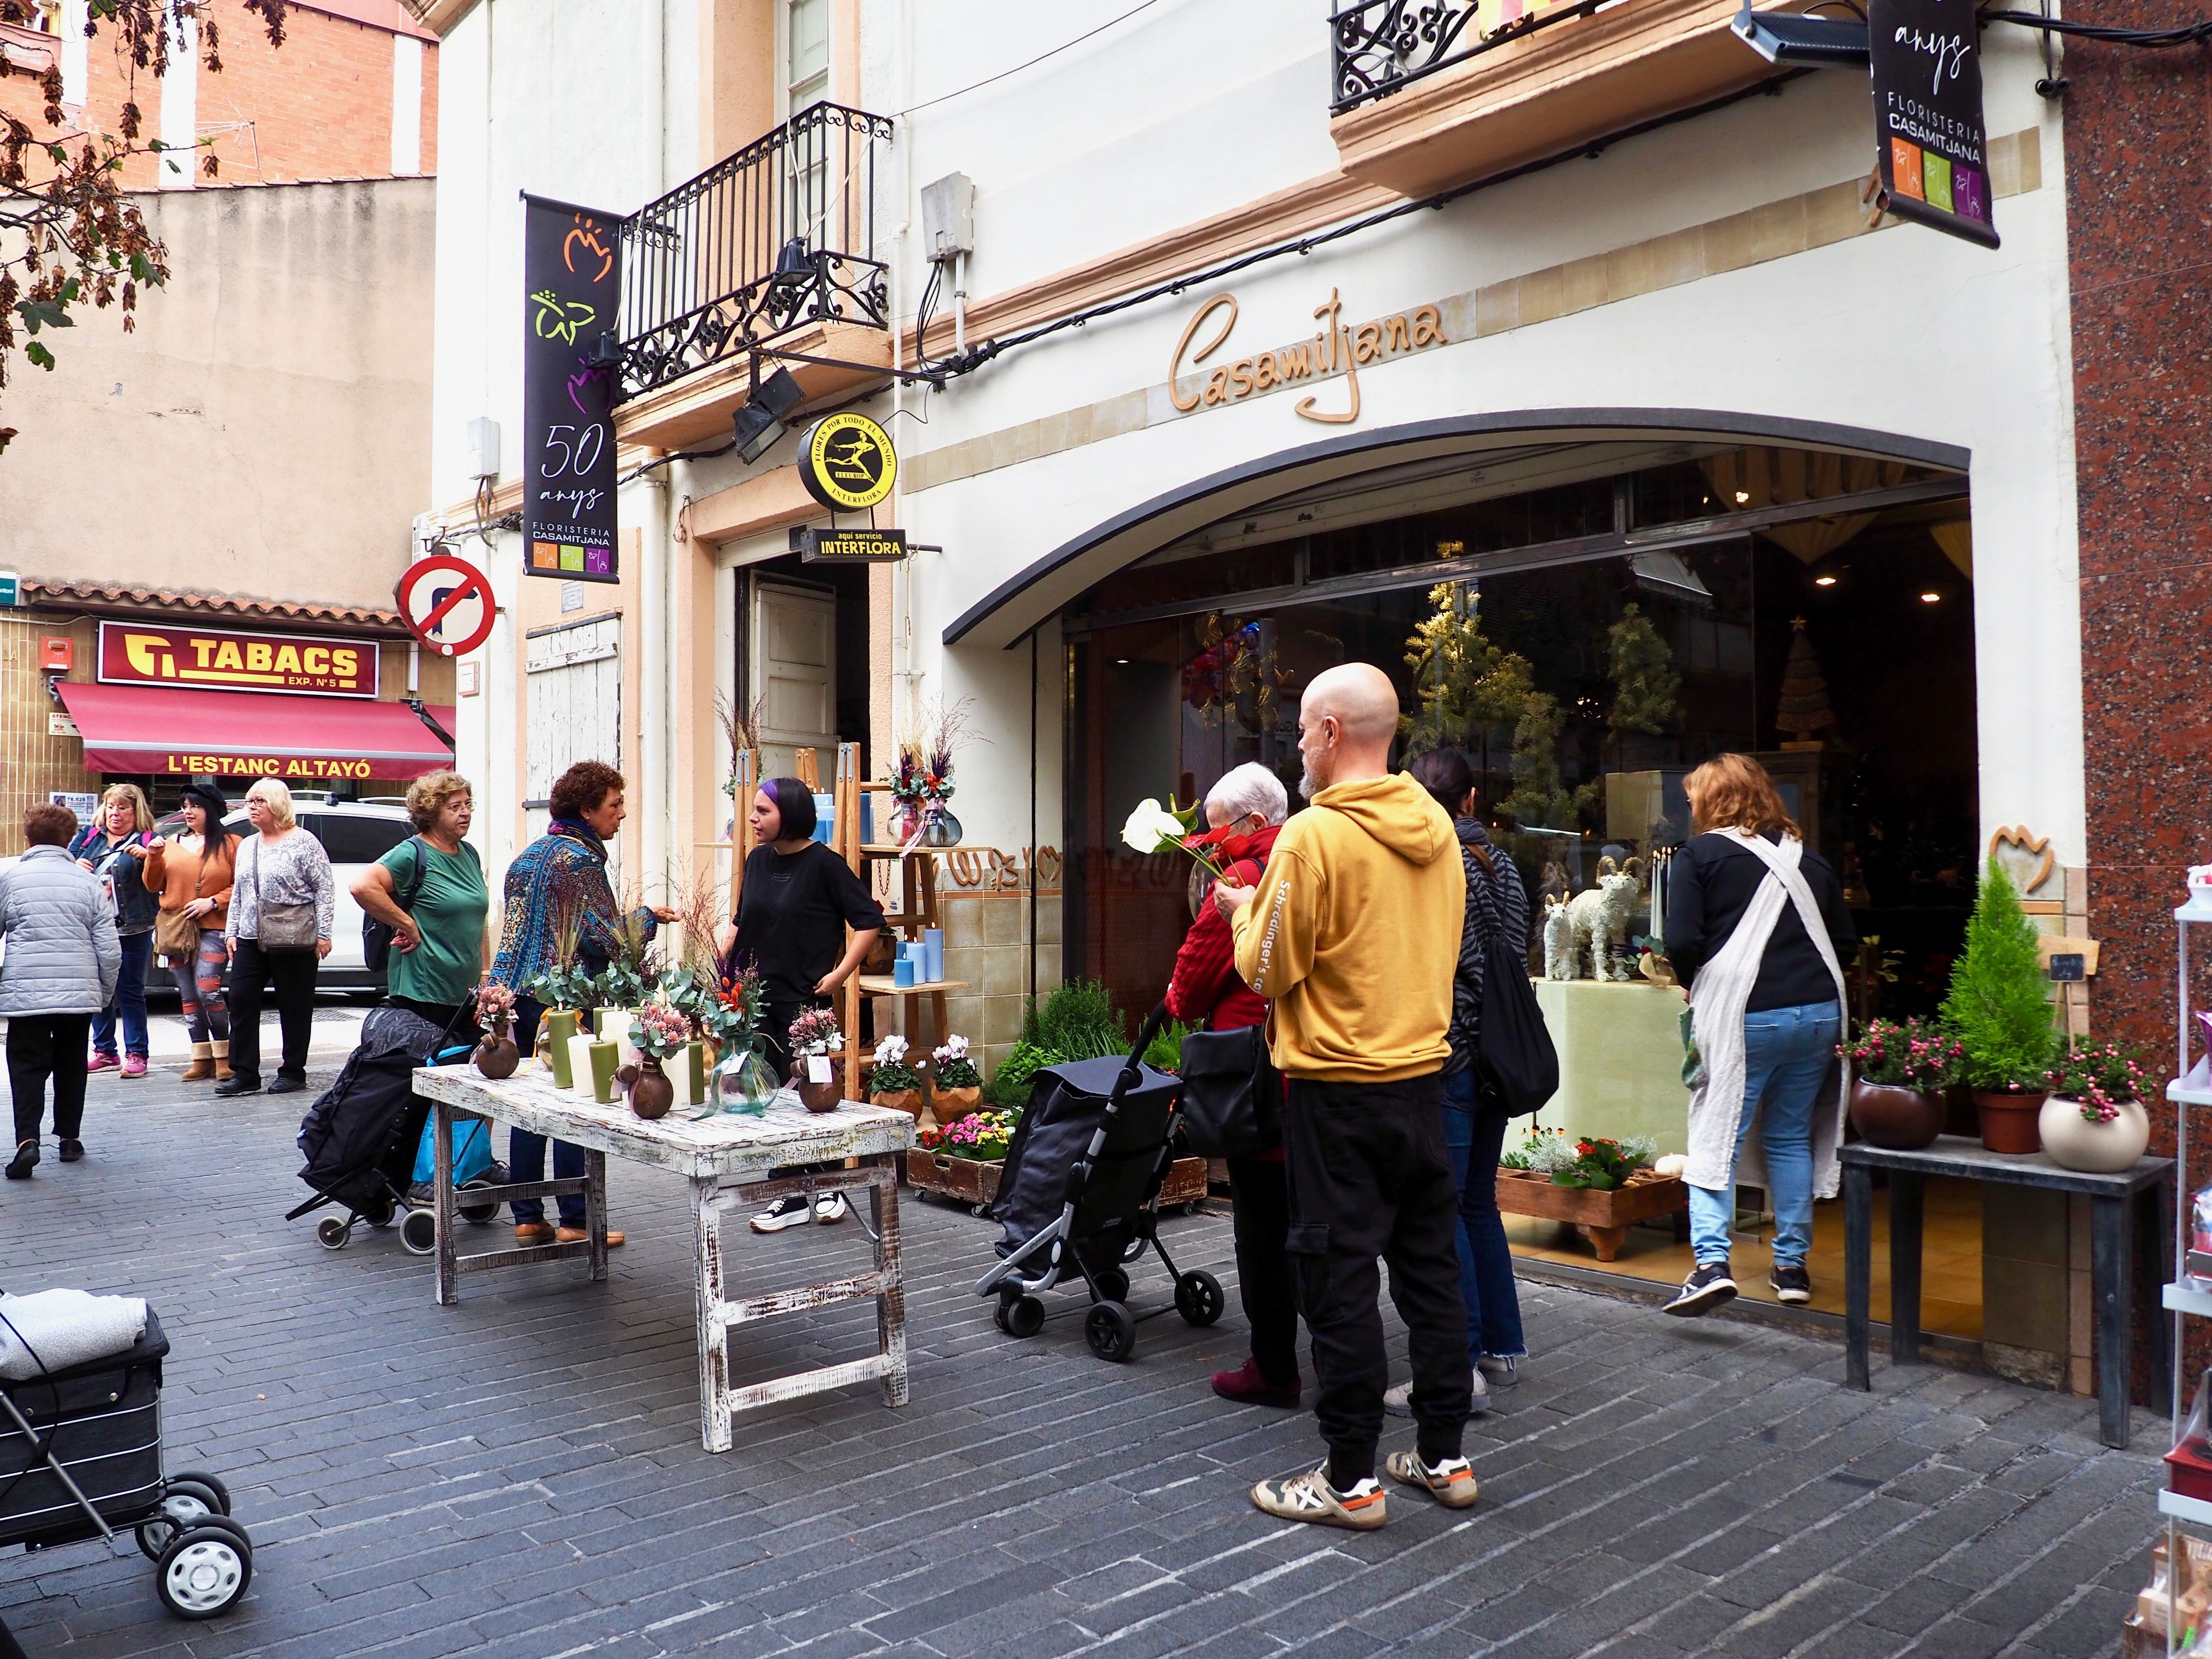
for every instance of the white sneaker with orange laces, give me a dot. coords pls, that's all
(1451, 1482)
(1308, 1497)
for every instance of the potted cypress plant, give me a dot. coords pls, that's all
(1998, 1010)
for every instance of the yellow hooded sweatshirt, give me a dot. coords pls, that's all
(1353, 934)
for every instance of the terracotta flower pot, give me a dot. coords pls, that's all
(949, 1106)
(2076, 1143)
(900, 1100)
(496, 1056)
(1890, 1115)
(2008, 1119)
(651, 1092)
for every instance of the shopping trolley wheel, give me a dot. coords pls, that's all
(1110, 1332)
(419, 1231)
(479, 1215)
(1113, 1285)
(332, 1234)
(199, 1484)
(1025, 1316)
(380, 1213)
(204, 1570)
(1199, 1299)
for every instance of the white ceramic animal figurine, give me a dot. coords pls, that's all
(1598, 920)
(1558, 939)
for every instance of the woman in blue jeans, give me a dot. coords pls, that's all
(1493, 931)
(114, 846)
(1756, 927)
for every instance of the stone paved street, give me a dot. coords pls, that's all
(520, 1478)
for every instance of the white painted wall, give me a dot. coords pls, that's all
(406, 105)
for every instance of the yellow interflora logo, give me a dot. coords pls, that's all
(847, 464)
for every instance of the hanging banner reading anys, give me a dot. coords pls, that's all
(571, 279)
(1934, 160)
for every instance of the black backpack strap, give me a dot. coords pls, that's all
(406, 901)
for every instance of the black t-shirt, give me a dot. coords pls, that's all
(1710, 882)
(792, 915)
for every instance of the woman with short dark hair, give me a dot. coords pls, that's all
(63, 958)
(795, 904)
(557, 885)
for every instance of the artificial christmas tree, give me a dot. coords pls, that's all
(1803, 710)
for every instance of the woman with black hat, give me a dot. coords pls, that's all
(193, 873)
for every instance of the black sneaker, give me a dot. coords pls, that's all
(25, 1159)
(72, 1151)
(1704, 1289)
(1790, 1282)
(792, 1209)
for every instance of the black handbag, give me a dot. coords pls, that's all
(376, 936)
(1232, 1096)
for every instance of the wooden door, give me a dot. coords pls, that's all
(794, 672)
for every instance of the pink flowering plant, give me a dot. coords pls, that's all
(2101, 1076)
(661, 1030)
(495, 1004)
(953, 1068)
(893, 1073)
(983, 1136)
(1914, 1054)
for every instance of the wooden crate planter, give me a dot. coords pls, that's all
(965, 1181)
(1602, 1217)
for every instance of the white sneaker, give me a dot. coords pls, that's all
(830, 1207)
(1399, 1401)
(789, 1211)
(1503, 1370)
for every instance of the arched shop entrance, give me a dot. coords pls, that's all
(1589, 607)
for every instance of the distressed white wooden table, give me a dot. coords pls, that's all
(727, 1159)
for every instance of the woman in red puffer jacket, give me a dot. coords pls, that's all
(1245, 811)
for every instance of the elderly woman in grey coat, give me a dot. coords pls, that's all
(63, 957)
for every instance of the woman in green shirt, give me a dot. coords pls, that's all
(438, 934)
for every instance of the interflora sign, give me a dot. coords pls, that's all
(571, 279)
(847, 463)
(224, 659)
(1933, 157)
(1337, 350)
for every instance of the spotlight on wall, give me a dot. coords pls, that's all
(1742, 497)
(759, 422)
(1824, 581)
(1812, 42)
(1931, 598)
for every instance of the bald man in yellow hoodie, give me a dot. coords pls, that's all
(1353, 936)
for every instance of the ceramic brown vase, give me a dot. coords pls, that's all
(496, 1056)
(651, 1092)
(2008, 1121)
(1900, 1119)
(900, 1100)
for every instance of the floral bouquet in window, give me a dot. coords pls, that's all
(921, 782)
(893, 1082)
(814, 1038)
(956, 1086)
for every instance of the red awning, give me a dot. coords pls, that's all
(246, 734)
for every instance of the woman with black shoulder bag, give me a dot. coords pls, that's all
(1244, 813)
(280, 931)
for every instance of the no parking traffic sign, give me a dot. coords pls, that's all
(446, 604)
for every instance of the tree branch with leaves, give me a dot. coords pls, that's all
(69, 236)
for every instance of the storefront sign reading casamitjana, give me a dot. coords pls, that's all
(1336, 351)
(221, 659)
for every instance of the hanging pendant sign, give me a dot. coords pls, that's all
(852, 546)
(1933, 157)
(847, 463)
(571, 279)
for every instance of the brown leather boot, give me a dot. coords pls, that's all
(202, 1066)
(222, 1062)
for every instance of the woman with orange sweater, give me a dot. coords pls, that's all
(193, 873)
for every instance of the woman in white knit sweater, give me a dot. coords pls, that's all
(279, 932)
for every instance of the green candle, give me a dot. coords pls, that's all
(605, 1057)
(561, 1025)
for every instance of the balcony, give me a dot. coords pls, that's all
(775, 246)
(1430, 94)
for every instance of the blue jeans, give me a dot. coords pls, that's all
(526, 1153)
(1474, 1138)
(1787, 1054)
(129, 999)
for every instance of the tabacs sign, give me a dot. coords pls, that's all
(221, 659)
(1925, 59)
(847, 463)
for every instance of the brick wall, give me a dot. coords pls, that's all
(318, 107)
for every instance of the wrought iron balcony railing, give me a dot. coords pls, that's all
(773, 239)
(1380, 46)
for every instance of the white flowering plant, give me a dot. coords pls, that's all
(952, 1067)
(893, 1075)
(1152, 828)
